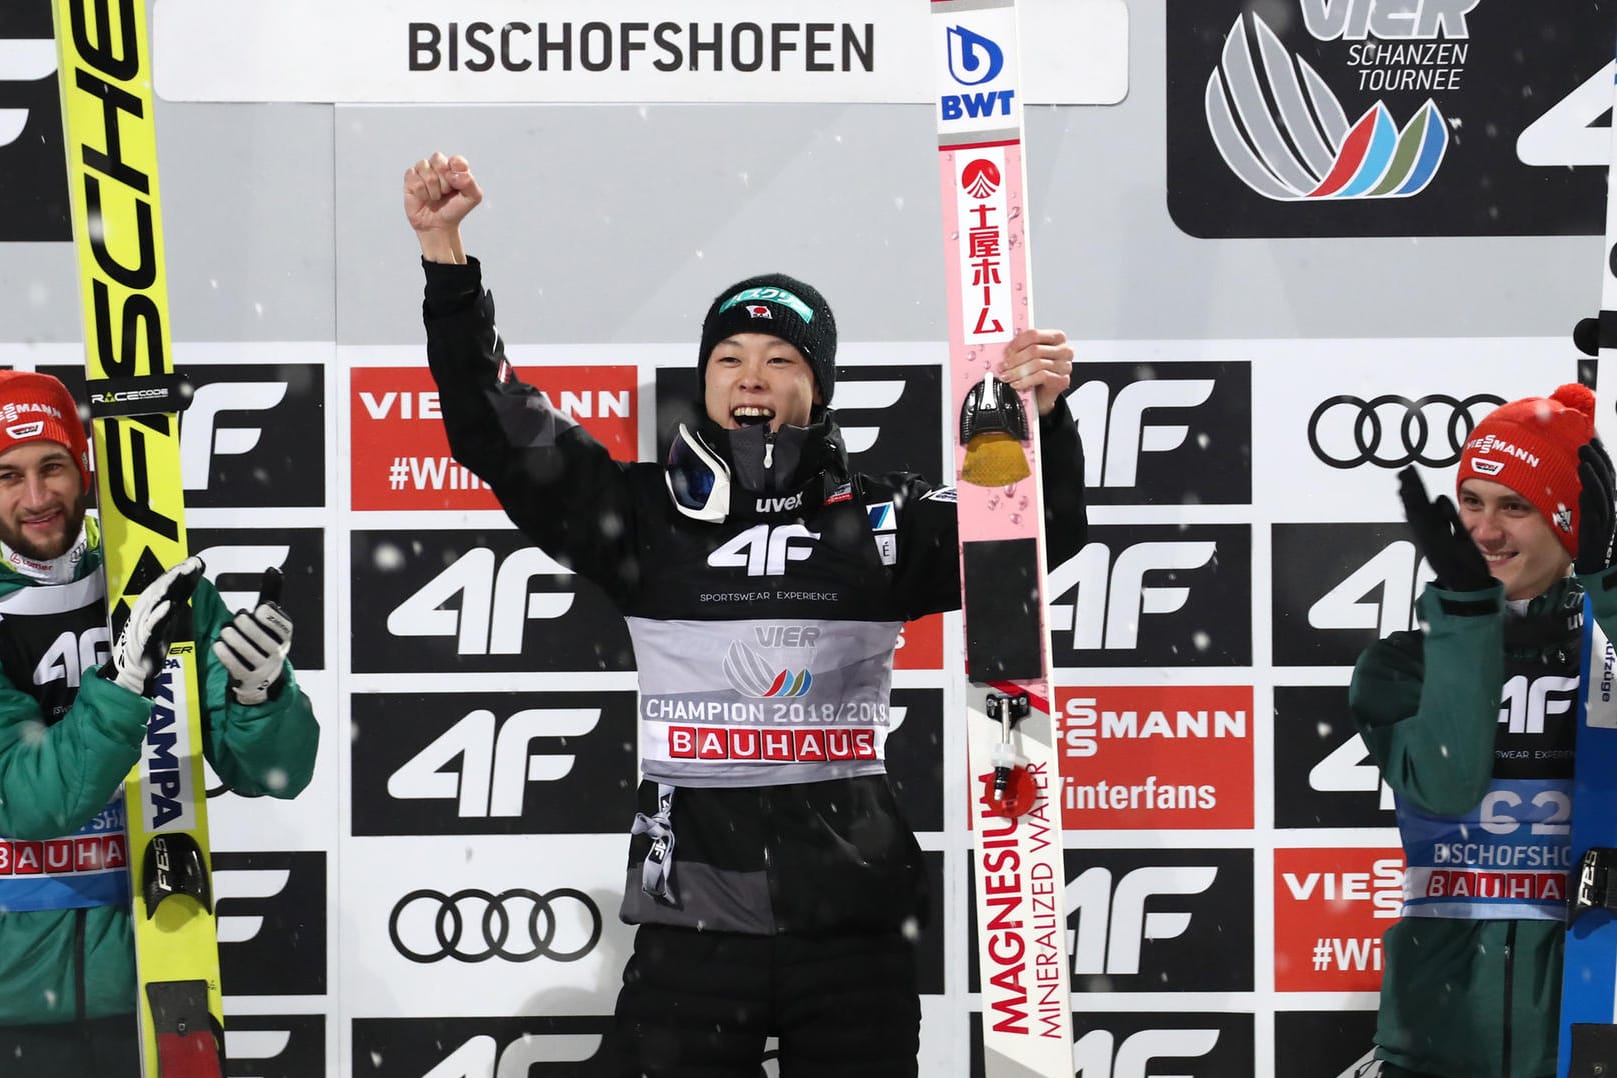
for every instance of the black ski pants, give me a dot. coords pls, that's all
(700, 1004)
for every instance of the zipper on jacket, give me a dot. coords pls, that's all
(766, 803)
(80, 1005)
(1510, 971)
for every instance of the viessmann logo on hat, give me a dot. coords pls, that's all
(15, 410)
(771, 295)
(1494, 444)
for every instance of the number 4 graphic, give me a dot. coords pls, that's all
(1567, 134)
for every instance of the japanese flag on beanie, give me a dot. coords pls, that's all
(1531, 446)
(36, 407)
(780, 306)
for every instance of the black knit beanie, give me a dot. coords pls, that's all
(780, 306)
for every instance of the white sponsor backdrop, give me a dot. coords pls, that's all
(1227, 552)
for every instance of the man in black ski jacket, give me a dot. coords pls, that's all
(776, 885)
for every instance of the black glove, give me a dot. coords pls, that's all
(142, 647)
(1597, 509)
(253, 646)
(1441, 538)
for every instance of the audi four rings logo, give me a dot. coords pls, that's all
(1347, 431)
(492, 917)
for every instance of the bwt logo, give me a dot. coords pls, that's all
(201, 436)
(1097, 1054)
(484, 766)
(1112, 458)
(1397, 574)
(1113, 922)
(1114, 597)
(495, 603)
(975, 60)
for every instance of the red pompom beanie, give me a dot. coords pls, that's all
(1531, 446)
(36, 407)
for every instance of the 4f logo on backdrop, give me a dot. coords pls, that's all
(1329, 1042)
(1154, 595)
(254, 435)
(1338, 588)
(1152, 433)
(1115, 1044)
(459, 1047)
(1324, 774)
(33, 172)
(1160, 920)
(1343, 117)
(277, 1045)
(236, 559)
(272, 922)
(462, 600)
(492, 763)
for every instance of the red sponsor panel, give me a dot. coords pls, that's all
(1331, 907)
(400, 453)
(920, 644)
(1139, 757)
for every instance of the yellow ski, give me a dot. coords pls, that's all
(104, 62)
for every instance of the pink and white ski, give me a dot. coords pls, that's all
(1018, 877)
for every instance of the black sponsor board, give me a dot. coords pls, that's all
(891, 418)
(236, 560)
(493, 763)
(915, 757)
(1110, 894)
(1140, 1045)
(33, 170)
(253, 437)
(301, 1040)
(1338, 588)
(1165, 433)
(1331, 1044)
(476, 600)
(1324, 776)
(1154, 595)
(547, 1046)
(1246, 115)
(283, 897)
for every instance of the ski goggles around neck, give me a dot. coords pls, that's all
(698, 479)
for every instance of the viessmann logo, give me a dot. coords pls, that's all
(1280, 127)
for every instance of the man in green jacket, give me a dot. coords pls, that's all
(1471, 720)
(72, 720)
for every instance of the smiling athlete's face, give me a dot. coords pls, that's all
(757, 378)
(1519, 545)
(41, 499)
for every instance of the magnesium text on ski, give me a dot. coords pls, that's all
(665, 46)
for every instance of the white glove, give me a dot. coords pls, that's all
(253, 646)
(138, 656)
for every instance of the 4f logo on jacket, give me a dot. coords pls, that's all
(764, 549)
